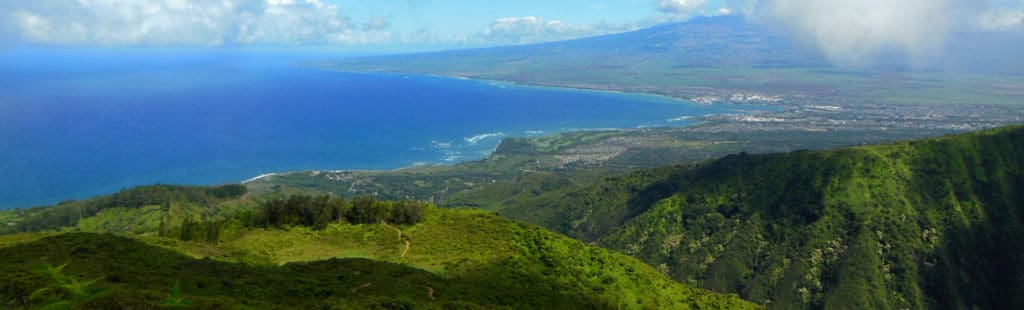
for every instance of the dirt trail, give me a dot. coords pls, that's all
(401, 236)
(431, 294)
(362, 286)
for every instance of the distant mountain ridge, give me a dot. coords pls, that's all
(725, 41)
(727, 55)
(733, 41)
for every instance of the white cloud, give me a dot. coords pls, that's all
(184, 22)
(684, 7)
(675, 10)
(531, 29)
(855, 33)
(859, 32)
(1001, 19)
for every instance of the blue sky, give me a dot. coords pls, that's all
(353, 23)
(457, 16)
(399, 25)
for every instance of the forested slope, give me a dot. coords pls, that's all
(924, 224)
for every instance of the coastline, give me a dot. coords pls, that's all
(496, 82)
(499, 83)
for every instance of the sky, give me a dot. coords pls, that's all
(841, 28)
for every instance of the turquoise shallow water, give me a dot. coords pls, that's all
(79, 125)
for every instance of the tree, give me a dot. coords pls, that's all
(366, 210)
(406, 212)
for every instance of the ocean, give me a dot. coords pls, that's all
(84, 123)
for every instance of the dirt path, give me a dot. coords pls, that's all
(362, 286)
(401, 236)
(431, 294)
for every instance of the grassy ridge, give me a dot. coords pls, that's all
(468, 258)
(926, 224)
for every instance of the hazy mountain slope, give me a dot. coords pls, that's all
(932, 223)
(720, 57)
(468, 258)
(727, 41)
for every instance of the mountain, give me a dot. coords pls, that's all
(933, 223)
(724, 56)
(725, 41)
(316, 252)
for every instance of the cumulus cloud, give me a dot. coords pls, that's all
(530, 29)
(681, 6)
(184, 22)
(684, 9)
(426, 36)
(1002, 19)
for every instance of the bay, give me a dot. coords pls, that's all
(75, 125)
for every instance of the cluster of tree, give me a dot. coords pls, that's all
(320, 211)
(69, 213)
(192, 230)
(299, 210)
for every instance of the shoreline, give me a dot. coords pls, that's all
(526, 85)
(499, 83)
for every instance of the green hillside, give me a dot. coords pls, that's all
(922, 224)
(447, 259)
(925, 224)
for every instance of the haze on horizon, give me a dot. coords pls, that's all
(848, 32)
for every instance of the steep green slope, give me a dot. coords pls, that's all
(468, 258)
(925, 224)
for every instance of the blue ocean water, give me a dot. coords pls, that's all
(75, 125)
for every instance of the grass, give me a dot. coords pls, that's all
(471, 258)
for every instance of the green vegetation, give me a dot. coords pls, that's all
(66, 292)
(319, 252)
(121, 206)
(176, 300)
(924, 224)
(521, 168)
(318, 212)
(932, 223)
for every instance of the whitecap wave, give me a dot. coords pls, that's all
(259, 177)
(681, 118)
(477, 138)
(440, 145)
